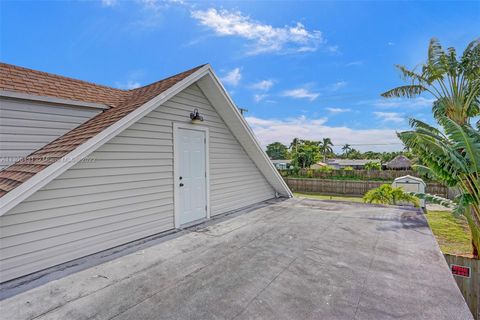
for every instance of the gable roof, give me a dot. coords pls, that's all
(56, 86)
(408, 178)
(128, 106)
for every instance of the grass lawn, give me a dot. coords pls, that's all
(326, 197)
(452, 233)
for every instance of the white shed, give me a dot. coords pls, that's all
(112, 166)
(411, 184)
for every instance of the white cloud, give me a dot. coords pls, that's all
(391, 43)
(109, 3)
(152, 4)
(259, 97)
(332, 49)
(390, 116)
(262, 37)
(233, 77)
(354, 63)
(264, 85)
(338, 85)
(403, 102)
(128, 85)
(156, 5)
(301, 93)
(338, 110)
(271, 130)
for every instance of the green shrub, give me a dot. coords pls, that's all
(309, 173)
(373, 166)
(326, 169)
(294, 171)
(386, 194)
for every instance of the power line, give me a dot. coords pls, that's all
(370, 144)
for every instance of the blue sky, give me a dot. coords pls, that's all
(302, 69)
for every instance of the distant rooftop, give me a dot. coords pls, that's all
(351, 162)
(281, 161)
(399, 162)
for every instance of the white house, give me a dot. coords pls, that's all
(353, 163)
(281, 164)
(86, 167)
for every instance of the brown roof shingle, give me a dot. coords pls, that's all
(122, 102)
(19, 79)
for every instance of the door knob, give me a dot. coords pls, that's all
(181, 184)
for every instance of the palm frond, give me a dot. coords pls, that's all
(432, 198)
(409, 74)
(462, 201)
(451, 61)
(466, 139)
(437, 58)
(472, 97)
(470, 60)
(399, 196)
(424, 171)
(410, 91)
(414, 123)
(435, 154)
(435, 52)
(386, 194)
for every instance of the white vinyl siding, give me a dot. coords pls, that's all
(26, 126)
(126, 192)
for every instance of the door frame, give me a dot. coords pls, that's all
(176, 165)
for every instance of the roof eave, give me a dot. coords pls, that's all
(52, 100)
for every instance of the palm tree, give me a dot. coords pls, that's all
(455, 84)
(346, 149)
(325, 148)
(294, 144)
(451, 153)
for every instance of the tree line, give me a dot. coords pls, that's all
(305, 153)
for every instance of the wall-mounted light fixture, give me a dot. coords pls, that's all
(195, 116)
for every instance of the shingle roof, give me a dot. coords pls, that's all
(122, 102)
(19, 79)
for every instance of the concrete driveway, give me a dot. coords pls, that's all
(293, 259)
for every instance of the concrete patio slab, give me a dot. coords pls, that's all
(292, 259)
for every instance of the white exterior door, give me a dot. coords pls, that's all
(191, 175)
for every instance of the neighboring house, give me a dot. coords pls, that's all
(318, 165)
(400, 162)
(353, 163)
(134, 165)
(281, 164)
